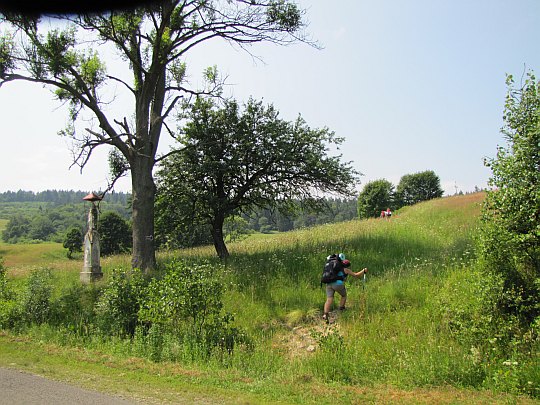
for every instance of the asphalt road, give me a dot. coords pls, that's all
(19, 388)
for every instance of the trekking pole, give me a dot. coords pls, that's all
(364, 294)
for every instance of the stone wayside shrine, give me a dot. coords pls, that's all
(92, 269)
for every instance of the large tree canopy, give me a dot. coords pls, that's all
(417, 187)
(233, 160)
(377, 196)
(153, 42)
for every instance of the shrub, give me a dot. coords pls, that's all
(119, 304)
(8, 307)
(509, 242)
(187, 302)
(497, 313)
(5, 292)
(9, 314)
(36, 299)
(74, 309)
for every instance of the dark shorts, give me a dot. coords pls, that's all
(332, 288)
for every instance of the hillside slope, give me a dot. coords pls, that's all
(393, 344)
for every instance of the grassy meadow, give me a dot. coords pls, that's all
(393, 344)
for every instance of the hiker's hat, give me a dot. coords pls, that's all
(341, 256)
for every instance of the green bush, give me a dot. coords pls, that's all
(509, 247)
(187, 302)
(8, 306)
(501, 356)
(5, 291)
(9, 314)
(35, 306)
(119, 304)
(74, 308)
(510, 237)
(149, 342)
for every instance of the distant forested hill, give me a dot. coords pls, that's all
(48, 215)
(337, 210)
(58, 197)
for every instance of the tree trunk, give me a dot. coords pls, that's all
(143, 194)
(217, 236)
(148, 106)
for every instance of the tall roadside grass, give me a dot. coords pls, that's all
(395, 331)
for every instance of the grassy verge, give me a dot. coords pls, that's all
(171, 383)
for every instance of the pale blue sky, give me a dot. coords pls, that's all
(412, 85)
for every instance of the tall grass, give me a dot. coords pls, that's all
(394, 331)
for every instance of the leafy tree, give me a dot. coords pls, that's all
(510, 235)
(153, 43)
(417, 187)
(264, 225)
(180, 227)
(114, 234)
(233, 161)
(16, 228)
(73, 241)
(236, 228)
(377, 195)
(41, 228)
(284, 222)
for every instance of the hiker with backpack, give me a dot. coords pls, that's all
(336, 270)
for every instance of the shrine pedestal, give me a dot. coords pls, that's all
(91, 269)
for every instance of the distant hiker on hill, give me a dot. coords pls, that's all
(334, 275)
(386, 214)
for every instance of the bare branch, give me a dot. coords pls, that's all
(85, 149)
(131, 89)
(111, 183)
(124, 125)
(102, 139)
(171, 106)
